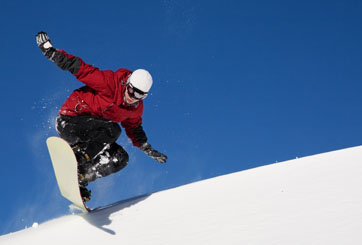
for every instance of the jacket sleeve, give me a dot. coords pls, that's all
(88, 74)
(134, 130)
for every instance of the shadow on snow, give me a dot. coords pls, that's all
(100, 217)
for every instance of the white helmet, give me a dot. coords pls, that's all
(141, 79)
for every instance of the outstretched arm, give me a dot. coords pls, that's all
(85, 73)
(61, 59)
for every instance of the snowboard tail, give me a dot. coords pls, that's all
(66, 171)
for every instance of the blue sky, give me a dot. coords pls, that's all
(237, 85)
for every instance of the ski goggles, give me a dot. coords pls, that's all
(135, 93)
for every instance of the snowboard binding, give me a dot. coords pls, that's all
(84, 164)
(82, 156)
(85, 193)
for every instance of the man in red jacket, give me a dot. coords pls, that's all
(88, 120)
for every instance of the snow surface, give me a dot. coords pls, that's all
(311, 200)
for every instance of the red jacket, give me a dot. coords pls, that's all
(103, 96)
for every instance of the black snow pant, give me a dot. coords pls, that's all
(97, 137)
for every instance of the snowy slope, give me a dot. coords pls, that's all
(311, 200)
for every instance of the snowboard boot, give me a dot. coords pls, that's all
(82, 157)
(82, 180)
(87, 176)
(85, 193)
(84, 163)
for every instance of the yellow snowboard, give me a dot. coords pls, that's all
(66, 170)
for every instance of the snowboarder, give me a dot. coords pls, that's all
(88, 120)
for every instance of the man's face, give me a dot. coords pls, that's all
(130, 100)
(134, 94)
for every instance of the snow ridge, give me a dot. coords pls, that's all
(311, 200)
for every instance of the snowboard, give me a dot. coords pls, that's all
(66, 171)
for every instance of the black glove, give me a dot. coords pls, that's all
(46, 47)
(147, 149)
